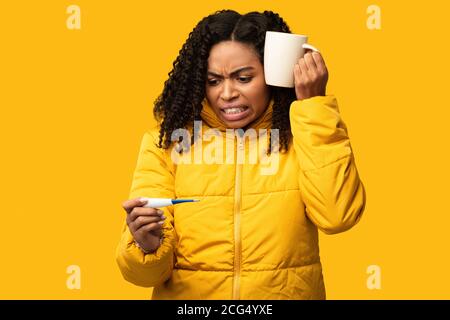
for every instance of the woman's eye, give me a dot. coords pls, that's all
(213, 82)
(245, 79)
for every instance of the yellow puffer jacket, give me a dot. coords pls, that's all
(252, 235)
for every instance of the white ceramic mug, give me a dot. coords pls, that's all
(281, 52)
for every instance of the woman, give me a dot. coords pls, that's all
(254, 234)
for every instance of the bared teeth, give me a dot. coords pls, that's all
(234, 110)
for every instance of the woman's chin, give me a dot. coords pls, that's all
(241, 122)
(236, 124)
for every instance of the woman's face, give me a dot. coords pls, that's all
(235, 86)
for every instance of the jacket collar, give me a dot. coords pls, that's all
(209, 116)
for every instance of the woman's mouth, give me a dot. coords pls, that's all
(235, 113)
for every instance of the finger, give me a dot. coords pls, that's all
(144, 220)
(128, 205)
(320, 63)
(151, 227)
(304, 70)
(138, 211)
(310, 63)
(297, 73)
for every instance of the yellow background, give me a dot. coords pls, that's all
(75, 104)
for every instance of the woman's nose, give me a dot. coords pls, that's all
(228, 91)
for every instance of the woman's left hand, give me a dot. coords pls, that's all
(310, 76)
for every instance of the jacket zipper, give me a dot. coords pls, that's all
(237, 221)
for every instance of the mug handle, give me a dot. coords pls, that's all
(309, 47)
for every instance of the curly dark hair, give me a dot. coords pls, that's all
(180, 103)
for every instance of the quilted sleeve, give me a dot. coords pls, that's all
(152, 178)
(330, 186)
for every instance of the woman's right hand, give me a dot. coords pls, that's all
(145, 224)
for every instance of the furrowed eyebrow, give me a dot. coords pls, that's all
(232, 73)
